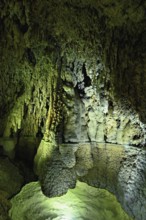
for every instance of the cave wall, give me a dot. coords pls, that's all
(119, 169)
(102, 69)
(73, 72)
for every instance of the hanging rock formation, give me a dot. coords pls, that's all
(100, 59)
(120, 169)
(75, 204)
(74, 73)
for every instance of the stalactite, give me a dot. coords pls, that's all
(54, 116)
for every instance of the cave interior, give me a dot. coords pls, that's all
(72, 110)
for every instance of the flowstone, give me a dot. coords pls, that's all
(11, 182)
(119, 169)
(10, 178)
(82, 203)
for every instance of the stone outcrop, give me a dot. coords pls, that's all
(11, 182)
(102, 69)
(78, 203)
(119, 169)
(5, 205)
(93, 115)
(74, 71)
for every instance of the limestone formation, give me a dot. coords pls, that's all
(119, 169)
(11, 182)
(10, 178)
(73, 76)
(5, 205)
(30, 203)
(102, 69)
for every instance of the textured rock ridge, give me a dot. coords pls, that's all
(102, 67)
(119, 169)
(76, 204)
(74, 71)
(11, 182)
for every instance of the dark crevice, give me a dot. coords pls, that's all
(22, 27)
(87, 80)
(30, 56)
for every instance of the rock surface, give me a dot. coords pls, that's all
(100, 48)
(11, 180)
(83, 202)
(119, 169)
(5, 205)
(76, 70)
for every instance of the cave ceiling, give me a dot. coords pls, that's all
(73, 75)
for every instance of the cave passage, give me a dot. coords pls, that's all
(72, 109)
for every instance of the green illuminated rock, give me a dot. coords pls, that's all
(119, 169)
(10, 178)
(4, 206)
(101, 49)
(83, 202)
(74, 71)
(11, 182)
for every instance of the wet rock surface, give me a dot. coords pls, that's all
(75, 72)
(11, 180)
(119, 169)
(83, 202)
(5, 205)
(101, 63)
